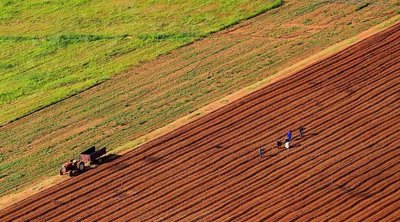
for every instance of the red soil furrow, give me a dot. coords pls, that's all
(354, 196)
(163, 173)
(289, 197)
(383, 206)
(380, 187)
(351, 100)
(345, 214)
(393, 215)
(272, 178)
(361, 206)
(389, 211)
(224, 219)
(333, 197)
(331, 189)
(335, 192)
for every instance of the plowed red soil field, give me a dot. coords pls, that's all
(347, 167)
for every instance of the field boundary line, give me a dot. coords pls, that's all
(320, 56)
(13, 198)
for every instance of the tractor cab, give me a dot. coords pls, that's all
(72, 167)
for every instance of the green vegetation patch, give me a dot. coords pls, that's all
(41, 62)
(53, 49)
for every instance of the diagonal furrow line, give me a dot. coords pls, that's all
(394, 203)
(131, 154)
(347, 213)
(376, 209)
(343, 169)
(163, 173)
(338, 194)
(273, 177)
(383, 185)
(342, 200)
(327, 187)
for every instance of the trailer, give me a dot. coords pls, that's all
(77, 166)
(92, 155)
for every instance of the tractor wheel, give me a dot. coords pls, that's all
(71, 173)
(81, 166)
(100, 160)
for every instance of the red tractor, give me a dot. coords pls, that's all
(77, 166)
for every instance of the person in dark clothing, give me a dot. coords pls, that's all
(261, 152)
(301, 131)
(278, 144)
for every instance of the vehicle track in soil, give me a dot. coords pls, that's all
(346, 168)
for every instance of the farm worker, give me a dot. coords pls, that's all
(289, 135)
(278, 144)
(301, 131)
(287, 145)
(261, 152)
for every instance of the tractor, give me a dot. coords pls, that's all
(76, 166)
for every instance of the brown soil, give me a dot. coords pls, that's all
(346, 167)
(157, 93)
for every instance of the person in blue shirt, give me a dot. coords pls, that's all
(289, 136)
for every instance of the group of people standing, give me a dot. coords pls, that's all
(288, 139)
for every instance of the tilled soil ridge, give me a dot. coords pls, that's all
(345, 168)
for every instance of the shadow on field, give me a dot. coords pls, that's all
(105, 159)
(110, 157)
(354, 192)
(151, 159)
